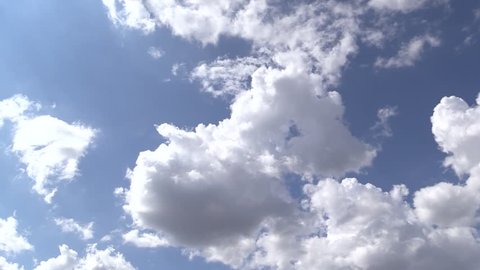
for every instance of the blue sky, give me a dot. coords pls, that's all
(227, 184)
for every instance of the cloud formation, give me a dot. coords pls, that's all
(219, 191)
(49, 148)
(409, 53)
(70, 225)
(106, 259)
(11, 242)
(5, 265)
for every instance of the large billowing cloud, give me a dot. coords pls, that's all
(227, 178)
(98, 259)
(219, 190)
(49, 148)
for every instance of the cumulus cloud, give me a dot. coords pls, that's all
(49, 148)
(144, 240)
(456, 128)
(70, 225)
(227, 177)
(359, 226)
(409, 53)
(5, 265)
(218, 190)
(106, 259)
(11, 241)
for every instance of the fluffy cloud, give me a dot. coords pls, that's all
(144, 240)
(66, 260)
(227, 177)
(409, 53)
(94, 258)
(49, 148)
(362, 227)
(219, 190)
(456, 128)
(13, 109)
(5, 265)
(70, 225)
(11, 241)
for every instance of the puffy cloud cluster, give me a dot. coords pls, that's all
(227, 178)
(219, 190)
(456, 127)
(49, 148)
(106, 259)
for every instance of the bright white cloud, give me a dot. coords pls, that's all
(13, 109)
(5, 265)
(11, 241)
(70, 225)
(155, 52)
(144, 240)
(362, 227)
(66, 260)
(227, 177)
(218, 190)
(409, 53)
(456, 128)
(49, 148)
(107, 259)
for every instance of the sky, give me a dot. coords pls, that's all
(239, 134)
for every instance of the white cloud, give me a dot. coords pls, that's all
(226, 76)
(227, 177)
(382, 126)
(132, 13)
(456, 128)
(155, 52)
(13, 109)
(70, 225)
(144, 240)
(178, 69)
(5, 265)
(408, 53)
(403, 5)
(11, 241)
(218, 190)
(66, 260)
(107, 259)
(49, 147)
